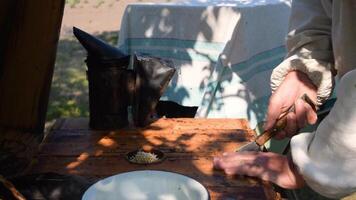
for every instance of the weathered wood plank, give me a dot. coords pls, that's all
(95, 167)
(76, 149)
(168, 135)
(212, 141)
(218, 185)
(189, 145)
(236, 193)
(161, 124)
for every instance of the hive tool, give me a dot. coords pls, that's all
(279, 125)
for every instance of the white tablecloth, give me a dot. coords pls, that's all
(224, 51)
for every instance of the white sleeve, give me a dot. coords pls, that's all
(309, 47)
(326, 158)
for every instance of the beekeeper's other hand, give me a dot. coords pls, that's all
(267, 166)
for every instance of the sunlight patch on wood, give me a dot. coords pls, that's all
(107, 142)
(204, 167)
(156, 141)
(81, 158)
(99, 152)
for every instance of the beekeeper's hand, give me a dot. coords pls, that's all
(267, 166)
(288, 93)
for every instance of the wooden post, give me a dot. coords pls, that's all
(5, 19)
(30, 32)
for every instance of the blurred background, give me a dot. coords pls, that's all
(102, 18)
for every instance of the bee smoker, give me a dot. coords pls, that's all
(114, 86)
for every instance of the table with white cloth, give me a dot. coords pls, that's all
(224, 51)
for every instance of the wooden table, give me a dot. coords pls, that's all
(189, 144)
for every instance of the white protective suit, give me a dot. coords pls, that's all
(322, 43)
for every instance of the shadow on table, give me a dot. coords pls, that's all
(97, 154)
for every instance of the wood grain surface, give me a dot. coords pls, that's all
(189, 146)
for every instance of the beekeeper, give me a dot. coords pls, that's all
(321, 46)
